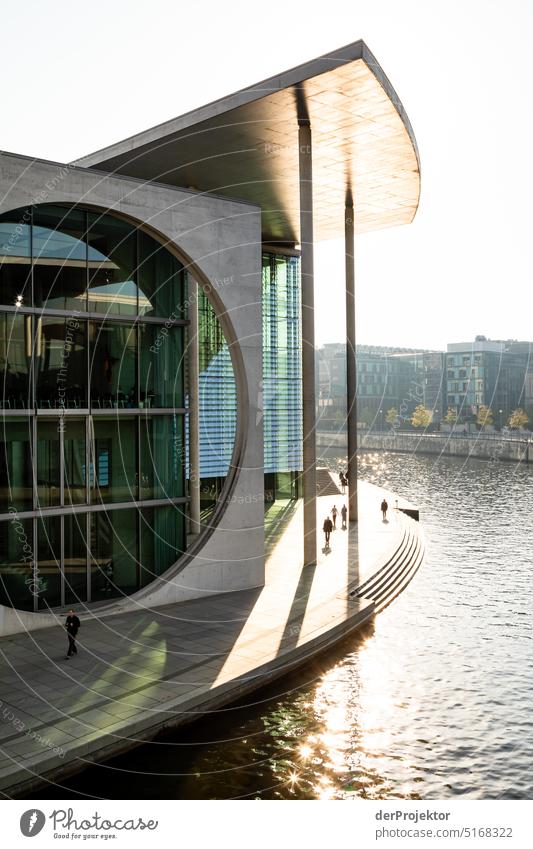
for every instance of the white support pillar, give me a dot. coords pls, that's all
(194, 417)
(308, 341)
(351, 363)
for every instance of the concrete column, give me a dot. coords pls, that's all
(194, 417)
(351, 367)
(308, 341)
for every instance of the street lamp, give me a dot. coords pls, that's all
(381, 421)
(501, 419)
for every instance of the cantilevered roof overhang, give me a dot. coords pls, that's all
(246, 146)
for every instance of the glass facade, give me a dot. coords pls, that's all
(217, 401)
(161, 372)
(60, 362)
(281, 401)
(217, 394)
(15, 359)
(282, 376)
(16, 561)
(15, 252)
(59, 251)
(16, 478)
(92, 463)
(480, 375)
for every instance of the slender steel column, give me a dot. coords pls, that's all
(308, 341)
(351, 365)
(194, 417)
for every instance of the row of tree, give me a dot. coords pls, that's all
(422, 417)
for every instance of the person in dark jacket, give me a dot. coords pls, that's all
(72, 625)
(327, 528)
(384, 508)
(344, 513)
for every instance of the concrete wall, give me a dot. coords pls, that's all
(484, 448)
(220, 242)
(491, 447)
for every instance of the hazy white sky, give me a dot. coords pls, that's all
(78, 76)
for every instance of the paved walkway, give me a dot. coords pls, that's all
(137, 672)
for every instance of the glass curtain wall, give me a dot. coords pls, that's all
(217, 399)
(281, 390)
(92, 409)
(282, 376)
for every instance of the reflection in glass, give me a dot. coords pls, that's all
(15, 359)
(16, 480)
(161, 280)
(71, 261)
(113, 554)
(49, 561)
(15, 258)
(48, 479)
(74, 460)
(112, 262)
(61, 363)
(60, 258)
(113, 365)
(17, 586)
(75, 563)
(161, 366)
(162, 457)
(162, 540)
(114, 464)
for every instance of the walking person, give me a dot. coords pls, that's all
(72, 625)
(344, 513)
(342, 480)
(384, 508)
(334, 514)
(327, 528)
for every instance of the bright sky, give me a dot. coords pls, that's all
(78, 76)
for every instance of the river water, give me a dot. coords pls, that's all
(433, 701)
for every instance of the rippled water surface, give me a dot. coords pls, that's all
(434, 701)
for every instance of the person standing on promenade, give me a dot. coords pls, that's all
(342, 480)
(327, 528)
(334, 513)
(344, 513)
(384, 508)
(72, 625)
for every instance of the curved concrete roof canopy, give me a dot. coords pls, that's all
(245, 146)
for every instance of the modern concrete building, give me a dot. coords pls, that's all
(142, 280)
(490, 373)
(387, 378)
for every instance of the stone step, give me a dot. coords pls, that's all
(361, 589)
(404, 582)
(400, 579)
(326, 485)
(395, 575)
(400, 562)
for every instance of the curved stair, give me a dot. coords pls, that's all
(396, 574)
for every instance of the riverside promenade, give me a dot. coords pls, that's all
(140, 672)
